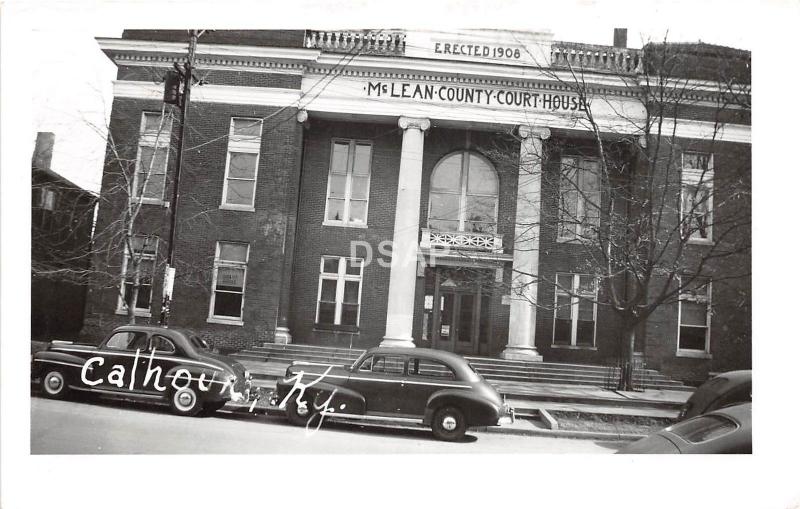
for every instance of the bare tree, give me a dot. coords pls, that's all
(651, 221)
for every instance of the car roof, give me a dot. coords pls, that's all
(427, 353)
(742, 412)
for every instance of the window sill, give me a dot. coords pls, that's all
(344, 225)
(153, 201)
(139, 312)
(699, 242)
(240, 208)
(693, 354)
(575, 347)
(342, 329)
(225, 321)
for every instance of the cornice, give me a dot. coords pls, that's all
(608, 121)
(247, 53)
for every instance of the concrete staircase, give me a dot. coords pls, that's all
(499, 370)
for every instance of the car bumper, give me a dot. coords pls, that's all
(244, 393)
(507, 417)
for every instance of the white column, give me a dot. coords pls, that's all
(403, 279)
(524, 287)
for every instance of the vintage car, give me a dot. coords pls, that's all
(723, 390)
(728, 430)
(402, 385)
(137, 361)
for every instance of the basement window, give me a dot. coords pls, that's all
(694, 319)
(339, 296)
(575, 311)
(228, 285)
(144, 249)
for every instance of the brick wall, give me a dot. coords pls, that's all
(201, 223)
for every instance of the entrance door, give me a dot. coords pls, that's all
(456, 314)
(457, 331)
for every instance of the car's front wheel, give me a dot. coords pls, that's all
(184, 401)
(299, 412)
(210, 407)
(449, 424)
(54, 384)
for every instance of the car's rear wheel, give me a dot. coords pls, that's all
(54, 384)
(449, 424)
(300, 411)
(184, 401)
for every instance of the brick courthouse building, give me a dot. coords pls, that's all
(307, 152)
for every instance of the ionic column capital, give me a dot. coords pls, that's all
(527, 131)
(423, 124)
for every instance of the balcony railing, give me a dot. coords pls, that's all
(458, 241)
(362, 42)
(595, 58)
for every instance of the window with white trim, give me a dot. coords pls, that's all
(464, 194)
(145, 249)
(575, 310)
(152, 157)
(228, 284)
(694, 317)
(348, 183)
(578, 198)
(339, 297)
(241, 165)
(697, 189)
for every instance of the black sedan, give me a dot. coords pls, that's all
(144, 362)
(402, 385)
(725, 431)
(723, 390)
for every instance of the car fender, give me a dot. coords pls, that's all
(213, 383)
(477, 410)
(72, 364)
(344, 400)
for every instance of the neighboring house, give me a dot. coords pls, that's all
(61, 229)
(306, 151)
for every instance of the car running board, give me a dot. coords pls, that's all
(374, 418)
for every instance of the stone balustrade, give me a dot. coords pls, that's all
(362, 42)
(458, 241)
(596, 58)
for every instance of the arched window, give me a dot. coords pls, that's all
(464, 190)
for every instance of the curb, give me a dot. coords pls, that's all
(553, 433)
(586, 435)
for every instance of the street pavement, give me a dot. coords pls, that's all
(122, 427)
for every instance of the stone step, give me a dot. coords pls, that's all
(491, 368)
(269, 347)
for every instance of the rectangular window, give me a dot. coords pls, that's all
(152, 157)
(694, 317)
(697, 186)
(230, 274)
(348, 183)
(576, 310)
(144, 249)
(578, 198)
(241, 166)
(339, 298)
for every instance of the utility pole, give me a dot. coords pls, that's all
(186, 77)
